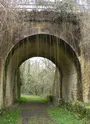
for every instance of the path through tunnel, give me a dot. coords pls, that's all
(52, 48)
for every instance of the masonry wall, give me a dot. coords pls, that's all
(85, 56)
(77, 37)
(56, 87)
(1, 83)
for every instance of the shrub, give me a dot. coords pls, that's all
(50, 98)
(78, 108)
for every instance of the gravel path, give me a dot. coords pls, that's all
(35, 109)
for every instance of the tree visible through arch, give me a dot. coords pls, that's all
(38, 76)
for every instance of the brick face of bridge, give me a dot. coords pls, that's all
(58, 42)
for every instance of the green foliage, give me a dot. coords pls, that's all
(37, 76)
(39, 120)
(63, 116)
(87, 105)
(11, 117)
(32, 98)
(50, 98)
(78, 109)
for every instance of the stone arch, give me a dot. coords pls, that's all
(52, 48)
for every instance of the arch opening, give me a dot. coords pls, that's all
(38, 76)
(54, 49)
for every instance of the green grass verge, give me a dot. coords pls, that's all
(87, 105)
(39, 120)
(63, 116)
(11, 117)
(32, 98)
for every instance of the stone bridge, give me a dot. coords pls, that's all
(59, 39)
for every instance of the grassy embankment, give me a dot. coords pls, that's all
(11, 116)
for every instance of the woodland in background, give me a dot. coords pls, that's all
(37, 76)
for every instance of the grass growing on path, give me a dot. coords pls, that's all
(32, 98)
(62, 116)
(11, 116)
(40, 120)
